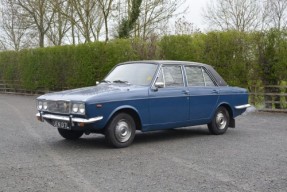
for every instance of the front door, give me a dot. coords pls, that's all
(169, 105)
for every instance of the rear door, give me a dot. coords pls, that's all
(203, 93)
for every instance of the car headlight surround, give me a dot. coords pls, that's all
(40, 105)
(82, 108)
(75, 108)
(78, 108)
(45, 105)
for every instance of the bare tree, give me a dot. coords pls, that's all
(60, 21)
(59, 24)
(42, 15)
(15, 26)
(277, 13)
(183, 27)
(2, 46)
(106, 8)
(2, 43)
(85, 19)
(153, 18)
(127, 24)
(240, 15)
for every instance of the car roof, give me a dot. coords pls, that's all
(220, 81)
(172, 62)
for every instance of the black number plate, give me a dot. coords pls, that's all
(61, 124)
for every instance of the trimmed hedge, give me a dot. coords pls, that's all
(241, 58)
(225, 51)
(57, 68)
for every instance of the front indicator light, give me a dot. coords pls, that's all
(81, 124)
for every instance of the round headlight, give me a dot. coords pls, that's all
(40, 105)
(82, 108)
(75, 108)
(45, 105)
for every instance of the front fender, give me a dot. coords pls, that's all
(121, 108)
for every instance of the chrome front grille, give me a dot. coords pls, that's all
(59, 107)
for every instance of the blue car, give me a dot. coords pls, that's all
(145, 96)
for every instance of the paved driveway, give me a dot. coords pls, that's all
(33, 157)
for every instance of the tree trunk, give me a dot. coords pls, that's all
(41, 40)
(107, 30)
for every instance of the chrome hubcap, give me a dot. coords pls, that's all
(221, 120)
(123, 131)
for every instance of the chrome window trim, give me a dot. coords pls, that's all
(182, 75)
(186, 66)
(151, 84)
(162, 73)
(156, 77)
(202, 70)
(161, 70)
(183, 79)
(211, 77)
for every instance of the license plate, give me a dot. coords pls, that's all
(61, 124)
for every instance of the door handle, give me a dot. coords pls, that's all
(215, 91)
(185, 92)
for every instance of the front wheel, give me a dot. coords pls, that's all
(121, 131)
(220, 121)
(70, 134)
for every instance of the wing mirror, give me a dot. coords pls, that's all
(159, 85)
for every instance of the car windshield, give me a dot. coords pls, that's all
(136, 74)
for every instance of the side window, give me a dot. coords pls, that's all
(194, 76)
(197, 76)
(172, 76)
(160, 76)
(208, 81)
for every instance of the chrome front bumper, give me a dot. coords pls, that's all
(242, 106)
(71, 119)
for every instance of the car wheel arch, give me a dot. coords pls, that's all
(129, 110)
(227, 107)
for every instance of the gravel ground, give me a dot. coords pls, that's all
(33, 157)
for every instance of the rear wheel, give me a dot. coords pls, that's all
(121, 131)
(220, 121)
(70, 134)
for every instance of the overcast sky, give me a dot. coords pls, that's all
(194, 12)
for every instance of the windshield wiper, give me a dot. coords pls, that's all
(105, 81)
(121, 81)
